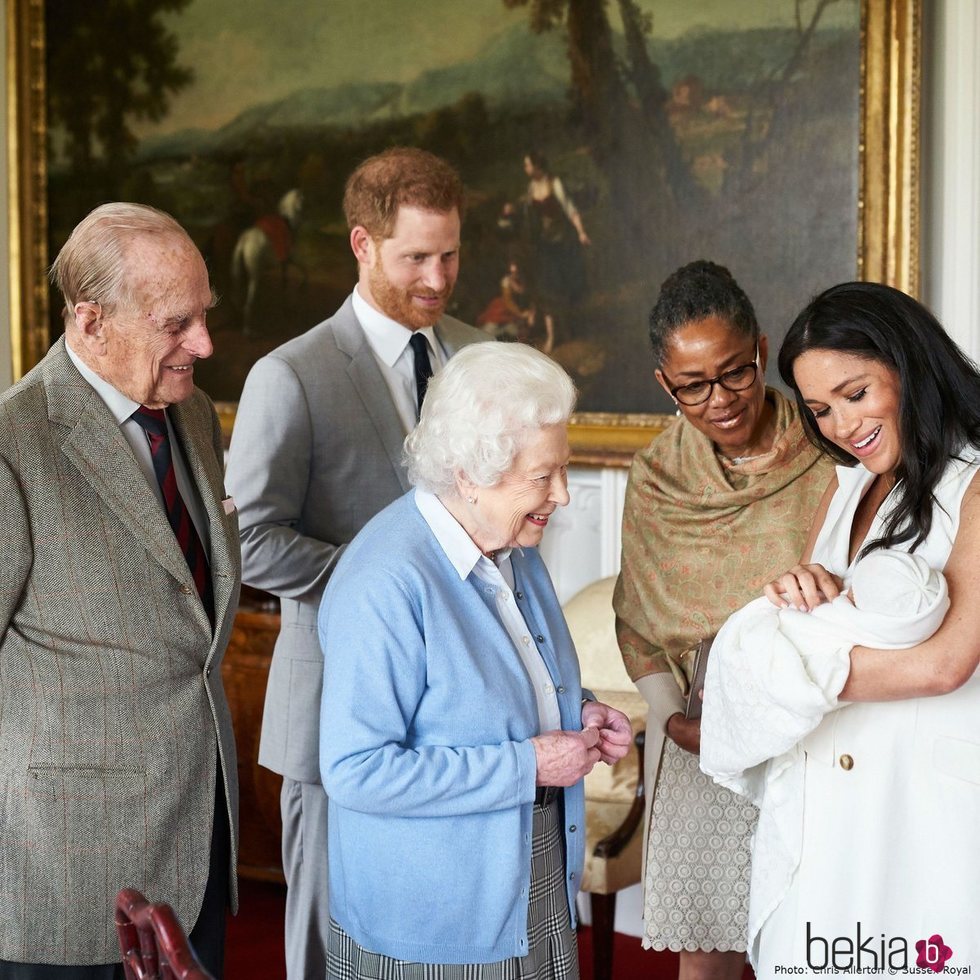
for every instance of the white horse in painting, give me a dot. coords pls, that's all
(255, 252)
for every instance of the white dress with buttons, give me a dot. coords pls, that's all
(891, 815)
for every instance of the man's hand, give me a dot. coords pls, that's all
(615, 731)
(563, 758)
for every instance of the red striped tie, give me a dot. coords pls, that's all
(154, 422)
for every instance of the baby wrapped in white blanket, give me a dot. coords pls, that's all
(775, 673)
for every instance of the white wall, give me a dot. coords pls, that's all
(951, 168)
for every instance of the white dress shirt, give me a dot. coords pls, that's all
(497, 578)
(122, 407)
(389, 344)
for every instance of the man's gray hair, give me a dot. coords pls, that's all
(91, 266)
(479, 411)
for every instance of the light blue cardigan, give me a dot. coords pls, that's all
(425, 724)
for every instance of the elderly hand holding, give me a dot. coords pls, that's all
(565, 757)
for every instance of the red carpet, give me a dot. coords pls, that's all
(255, 948)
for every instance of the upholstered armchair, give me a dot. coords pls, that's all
(614, 801)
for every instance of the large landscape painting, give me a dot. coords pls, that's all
(677, 130)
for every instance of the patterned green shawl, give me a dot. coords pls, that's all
(702, 535)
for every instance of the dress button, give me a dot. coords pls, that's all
(186, 589)
(846, 762)
(525, 640)
(503, 595)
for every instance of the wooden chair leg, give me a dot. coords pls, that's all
(603, 917)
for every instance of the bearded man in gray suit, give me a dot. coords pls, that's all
(118, 589)
(316, 452)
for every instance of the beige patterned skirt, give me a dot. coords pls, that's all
(696, 892)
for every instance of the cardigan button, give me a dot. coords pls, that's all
(561, 690)
(572, 829)
(518, 595)
(540, 638)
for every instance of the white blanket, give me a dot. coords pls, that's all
(773, 675)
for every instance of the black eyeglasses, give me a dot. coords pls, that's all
(698, 392)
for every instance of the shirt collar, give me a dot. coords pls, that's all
(388, 338)
(121, 406)
(459, 547)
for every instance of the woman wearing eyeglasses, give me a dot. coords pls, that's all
(714, 508)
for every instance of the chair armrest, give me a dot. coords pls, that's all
(613, 844)
(153, 944)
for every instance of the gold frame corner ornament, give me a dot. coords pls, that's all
(888, 195)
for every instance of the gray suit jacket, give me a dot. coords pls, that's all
(315, 454)
(113, 719)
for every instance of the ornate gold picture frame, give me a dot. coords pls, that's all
(886, 148)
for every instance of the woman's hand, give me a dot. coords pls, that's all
(804, 587)
(615, 730)
(686, 732)
(563, 758)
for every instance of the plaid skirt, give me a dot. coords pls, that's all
(553, 951)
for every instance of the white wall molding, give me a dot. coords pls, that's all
(951, 226)
(582, 542)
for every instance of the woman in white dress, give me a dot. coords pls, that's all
(888, 872)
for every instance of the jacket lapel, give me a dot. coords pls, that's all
(371, 387)
(196, 441)
(99, 451)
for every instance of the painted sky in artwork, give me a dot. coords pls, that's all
(245, 54)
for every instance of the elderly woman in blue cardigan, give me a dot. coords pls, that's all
(454, 732)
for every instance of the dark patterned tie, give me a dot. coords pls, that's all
(154, 422)
(423, 367)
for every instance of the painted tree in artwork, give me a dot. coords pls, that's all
(109, 63)
(621, 104)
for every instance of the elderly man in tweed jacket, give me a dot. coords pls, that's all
(118, 588)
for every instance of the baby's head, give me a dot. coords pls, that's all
(894, 583)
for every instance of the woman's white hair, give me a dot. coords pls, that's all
(478, 412)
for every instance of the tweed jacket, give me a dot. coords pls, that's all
(315, 454)
(113, 721)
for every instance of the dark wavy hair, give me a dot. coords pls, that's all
(939, 389)
(696, 291)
